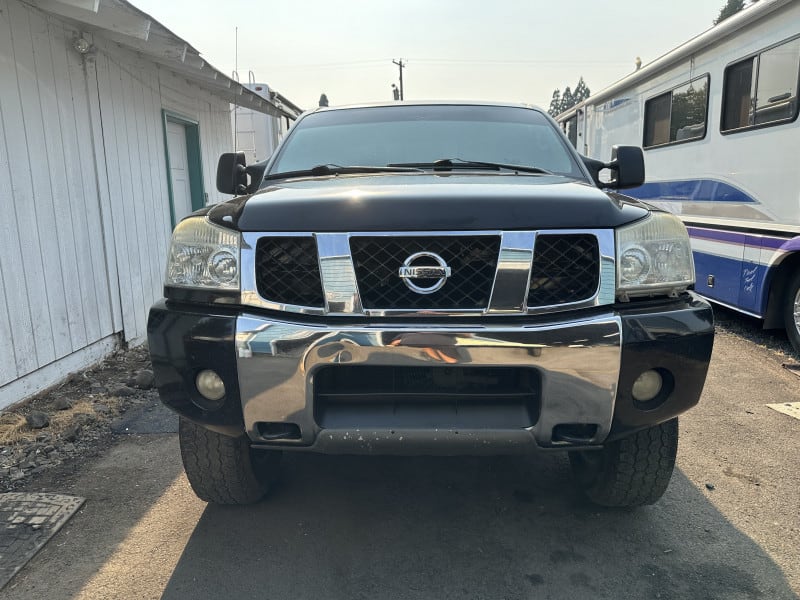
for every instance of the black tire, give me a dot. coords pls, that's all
(791, 311)
(633, 471)
(223, 469)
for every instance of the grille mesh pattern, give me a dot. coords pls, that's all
(566, 268)
(287, 271)
(473, 260)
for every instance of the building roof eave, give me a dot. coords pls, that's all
(122, 23)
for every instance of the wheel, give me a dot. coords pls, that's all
(632, 471)
(791, 311)
(223, 469)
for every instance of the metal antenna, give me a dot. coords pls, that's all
(235, 103)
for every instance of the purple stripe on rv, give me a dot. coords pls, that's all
(738, 237)
(691, 190)
(792, 245)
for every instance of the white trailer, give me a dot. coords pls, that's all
(717, 118)
(257, 133)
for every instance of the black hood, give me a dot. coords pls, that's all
(426, 202)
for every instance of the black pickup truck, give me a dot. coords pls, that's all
(430, 279)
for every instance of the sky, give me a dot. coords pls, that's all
(500, 50)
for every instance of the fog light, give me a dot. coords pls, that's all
(647, 386)
(210, 385)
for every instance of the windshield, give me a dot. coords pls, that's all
(379, 136)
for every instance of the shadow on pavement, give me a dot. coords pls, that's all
(360, 527)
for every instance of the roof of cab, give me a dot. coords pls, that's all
(426, 103)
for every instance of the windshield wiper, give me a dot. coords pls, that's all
(330, 169)
(448, 164)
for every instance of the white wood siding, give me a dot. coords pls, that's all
(133, 93)
(85, 220)
(52, 259)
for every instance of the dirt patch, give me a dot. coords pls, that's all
(14, 427)
(72, 420)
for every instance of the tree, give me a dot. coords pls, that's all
(581, 92)
(731, 8)
(323, 100)
(561, 102)
(567, 100)
(555, 103)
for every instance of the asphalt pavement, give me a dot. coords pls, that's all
(500, 527)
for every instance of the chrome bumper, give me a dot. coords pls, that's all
(578, 363)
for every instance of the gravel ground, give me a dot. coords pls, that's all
(72, 421)
(749, 329)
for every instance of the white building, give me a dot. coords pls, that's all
(110, 130)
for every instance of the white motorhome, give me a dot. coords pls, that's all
(258, 134)
(717, 118)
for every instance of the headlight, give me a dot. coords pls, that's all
(203, 255)
(653, 257)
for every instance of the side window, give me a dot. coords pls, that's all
(762, 89)
(678, 115)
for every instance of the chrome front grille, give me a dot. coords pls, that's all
(489, 272)
(473, 260)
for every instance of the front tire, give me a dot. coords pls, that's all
(791, 311)
(223, 469)
(633, 471)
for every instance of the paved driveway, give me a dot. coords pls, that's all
(360, 527)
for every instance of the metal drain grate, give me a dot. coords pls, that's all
(27, 522)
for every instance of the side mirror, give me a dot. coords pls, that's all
(627, 164)
(232, 173)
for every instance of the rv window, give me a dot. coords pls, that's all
(678, 115)
(689, 105)
(772, 97)
(738, 85)
(656, 120)
(776, 89)
(571, 129)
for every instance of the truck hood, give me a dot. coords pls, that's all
(426, 202)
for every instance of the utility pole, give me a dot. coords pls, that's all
(401, 65)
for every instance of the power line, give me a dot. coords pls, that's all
(441, 62)
(373, 62)
(514, 62)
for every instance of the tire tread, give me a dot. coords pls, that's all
(637, 469)
(793, 285)
(219, 467)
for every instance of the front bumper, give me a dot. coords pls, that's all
(585, 368)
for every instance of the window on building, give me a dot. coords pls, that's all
(762, 89)
(678, 115)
